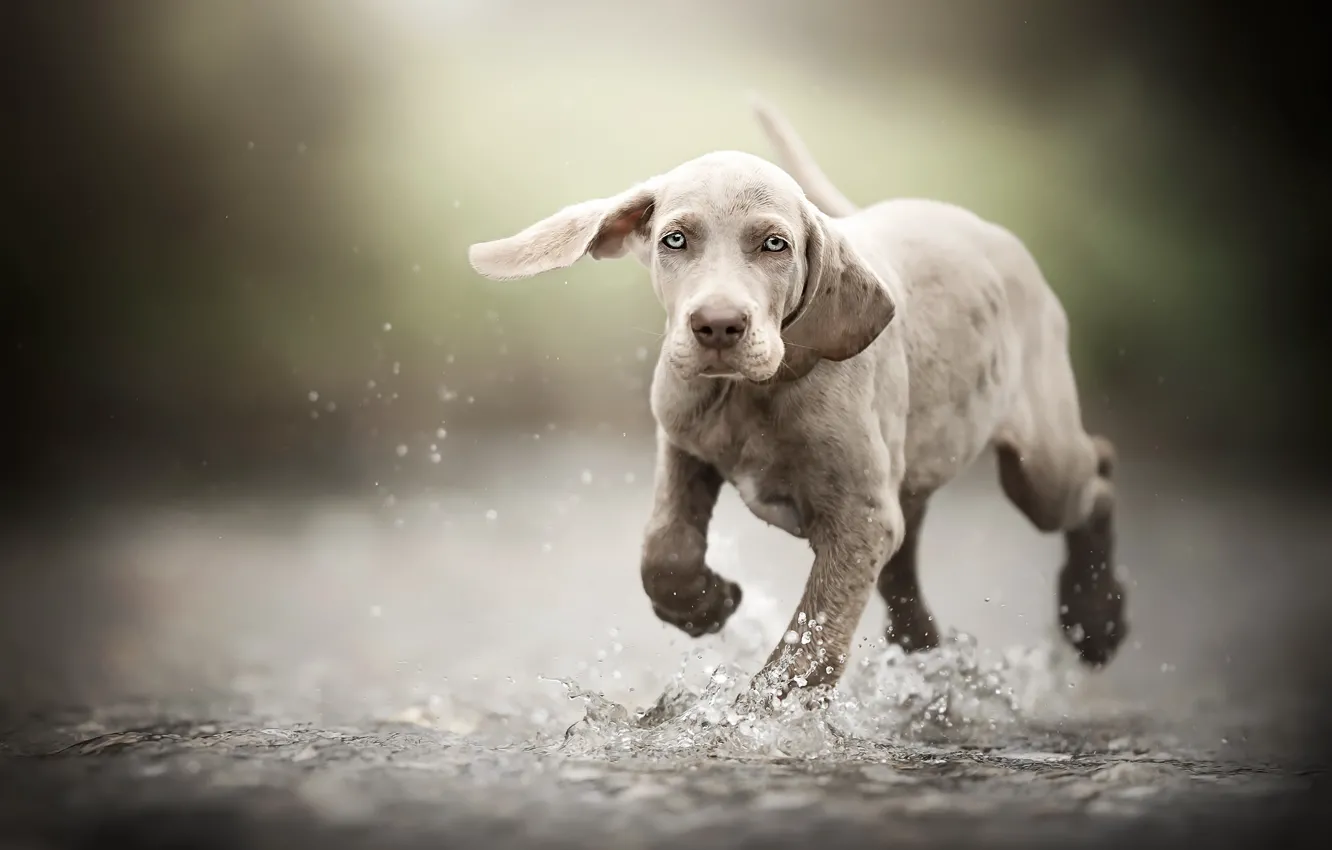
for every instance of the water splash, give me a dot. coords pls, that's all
(953, 695)
(956, 695)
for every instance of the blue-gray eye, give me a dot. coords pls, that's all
(674, 240)
(775, 244)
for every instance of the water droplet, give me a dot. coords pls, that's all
(586, 476)
(314, 395)
(401, 450)
(388, 326)
(492, 514)
(376, 611)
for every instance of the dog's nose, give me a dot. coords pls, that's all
(718, 327)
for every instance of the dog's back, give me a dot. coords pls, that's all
(977, 320)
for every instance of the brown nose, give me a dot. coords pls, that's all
(718, 327)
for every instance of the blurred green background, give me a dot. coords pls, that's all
(238, 251)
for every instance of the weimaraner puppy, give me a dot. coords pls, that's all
(838, 366)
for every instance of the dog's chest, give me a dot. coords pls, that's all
(769, 497)
(734, 433)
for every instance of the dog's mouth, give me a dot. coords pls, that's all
(731, 364)
(719, 371)
(717, 368)
(714, 365)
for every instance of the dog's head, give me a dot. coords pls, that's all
(745, 266)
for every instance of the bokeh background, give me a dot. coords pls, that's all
(302, 464)
(235, 241)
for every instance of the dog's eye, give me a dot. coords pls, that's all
(674, 240)
(774, 244)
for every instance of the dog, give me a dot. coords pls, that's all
(839, 365)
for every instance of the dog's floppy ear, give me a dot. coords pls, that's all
(844, 306)
(604, 228)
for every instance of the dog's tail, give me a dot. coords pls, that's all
(796, 159)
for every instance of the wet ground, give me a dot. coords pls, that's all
(476, 665)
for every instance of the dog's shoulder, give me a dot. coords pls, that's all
(956, 272)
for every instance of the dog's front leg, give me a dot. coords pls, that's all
(684, 591)
(851, 539)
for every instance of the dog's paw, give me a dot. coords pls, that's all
(1096, 628)
(765, 697)
(1096, 651)
(793, 678)
(703, 612)
(914, 632)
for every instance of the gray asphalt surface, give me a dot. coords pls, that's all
(476, 665)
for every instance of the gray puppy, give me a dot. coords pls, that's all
(838, 366)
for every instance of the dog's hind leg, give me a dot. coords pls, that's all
(1061, 479)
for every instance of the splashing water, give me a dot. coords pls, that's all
(954, 695)
(951, 695)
